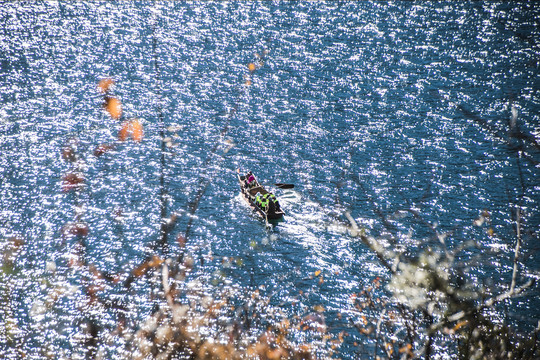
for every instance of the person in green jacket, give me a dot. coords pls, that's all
(264, 202)
(273, 198)
(259, 200)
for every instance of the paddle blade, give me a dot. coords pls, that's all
(284, 186)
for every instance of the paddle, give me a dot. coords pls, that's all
(279, 185)
(284, 186)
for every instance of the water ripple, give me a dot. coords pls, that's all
(365, 107)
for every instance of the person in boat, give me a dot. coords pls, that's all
(267, 202)
(273, 199)
(260, 201)
(250, 180)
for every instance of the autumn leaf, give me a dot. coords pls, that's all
(181, 240)
(406, 349)
(131, 128)
(102, 149)
(366, 331)
(141, 269)
(123, 133)
(72, 181)
(460, 324)
(113, 107)
(68, 154)
(105, 84)
(389, 348)
(137, 130)
(76, 229)
(155, 261)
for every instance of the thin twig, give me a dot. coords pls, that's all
(486, 304)
(516, 251)
(163, 234)
(384, 255)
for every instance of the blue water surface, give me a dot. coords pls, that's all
(366, 107)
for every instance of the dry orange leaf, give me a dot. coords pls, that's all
(77, 229)
(105, 84)
(181, 241)
(72, 181)
(131, 128)
(251, 67)
(137, 130)
(113, 107)
(156, 261)
(364, 320)
(305, 350)
(460, 324)
(123, 133)
(145, 266)
(405, 349)
(102, 149)
(367, 331)
(140, 270)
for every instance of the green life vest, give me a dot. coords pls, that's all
(264, 201)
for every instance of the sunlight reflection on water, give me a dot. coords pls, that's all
(351, 102)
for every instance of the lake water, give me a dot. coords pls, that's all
(367, 108)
